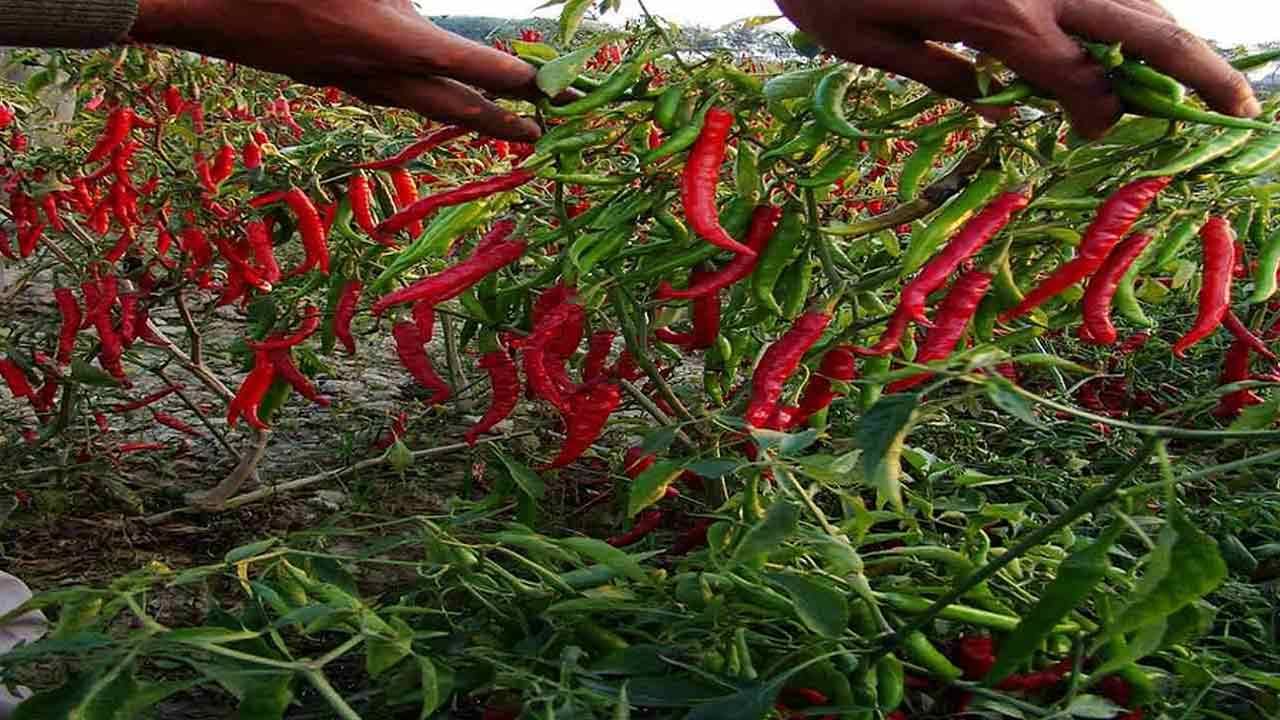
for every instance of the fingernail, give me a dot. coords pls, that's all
(1251, 108)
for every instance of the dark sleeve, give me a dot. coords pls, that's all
(65, 23)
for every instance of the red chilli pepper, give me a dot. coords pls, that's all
(147, 401)
(72, 319)
(406, 194)
(119, 125)
(411, 349)
(954, 315)
(252, 155)
(312, 230)
(764, 222)
(310, 323)
(288, 371)
(536, 366)
(416, 212)
(1235, 368)
(504, 378)
(456, 280)
(1114, 221)
(424, 316)
(361, 199)
(264, 255)
(592, 407)
(248, 399)
(15, 378)
(701, 175)
(596, 363)
(839, 364)
(174, 423)
(1219, 242)
(648, 521)
(972, 237)
(416, 150)
(1102, 288)
(779, 363)
(345, 312)
(1247, 336)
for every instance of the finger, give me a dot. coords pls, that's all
(938, 67)
(450, 102)
(442, 53)
(1055, 63)
(1169, 48)
(1147, 7)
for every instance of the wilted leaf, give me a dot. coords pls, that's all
(821, 608)
(881, 435)
(651, 486)
(778, 524)
(556, 76)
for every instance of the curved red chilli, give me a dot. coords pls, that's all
(933, 276)
(700, 178)
(1102, 288)
(504, 379)
(1219, 242)
(953, 317)
(779, 363)
(764, 223)
(1114, 220)
(477, 190)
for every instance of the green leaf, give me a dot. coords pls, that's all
(821, 608)
(1093, 707)
(606, 554)
(881, 435)
(267, 696)
(556, 76)
(571, 18)
(778, 524)
(244, 552)
(432, 698)
(1078, 575)
(383, 653)
(651, 486)
(1051, 361)
(1002, 393)
(86, 374)
(534, 51)
(1184, 567)
(752, 703)
(788, 444)
(529, 482)
(1259, 417)
(1146, 641)
(658, 440)
(714, 469)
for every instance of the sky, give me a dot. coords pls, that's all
(1227, 21)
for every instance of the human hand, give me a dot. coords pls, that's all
(1032, 37)
(381, 51)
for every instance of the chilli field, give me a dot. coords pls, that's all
(754, 389)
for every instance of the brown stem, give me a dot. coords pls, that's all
(220, 436)
(197, 341)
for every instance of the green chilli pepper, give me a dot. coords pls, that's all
(890, 683)
(923, 653)
(1145, 101)
(907, 111)
(617, 84)
(779, 253)
(1174, 241)
(828, 105)
(796, 84)
(984, 321)
(567, 146)
(834, 168)
(871, 393)
(1253, 62)
(682, 139)
(795, 285)
(1199, 155)
(926, 241)
(1126, 299)
(746, 173)
(1256, 157)
(667, 106)
(744, 82)
(671, 224)
(917, 167)
(591, 180)
(1264, 281)
(439, 235)
(1016, 92)
(1149, 77)
(807, 140)
(590, 250)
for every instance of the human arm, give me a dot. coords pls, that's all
(1033, 37)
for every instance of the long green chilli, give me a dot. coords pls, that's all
(796, 84)
(1174, 241)
(682, 139)
(828, 105)
(1199, 155)
(1264, 282)
(1145, 101)
(779, 253)
(807, 140)
(917, 167)
(1126, 299)
(613, 88)
(834, 168)
(926, 241)
(667, 107)
(1256, 157)
(746, 173)
(444, 229)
